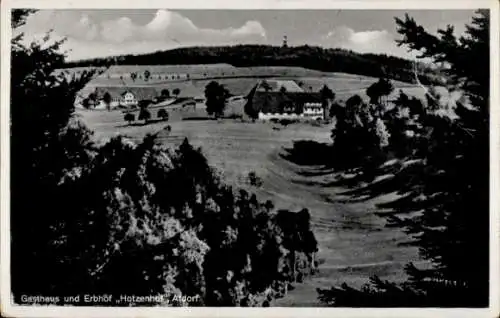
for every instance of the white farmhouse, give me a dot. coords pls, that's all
(128, 99)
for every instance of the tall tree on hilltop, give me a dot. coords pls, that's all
(446, 180)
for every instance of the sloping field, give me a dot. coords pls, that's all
(354, 244)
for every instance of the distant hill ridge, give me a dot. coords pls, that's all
(310, 57)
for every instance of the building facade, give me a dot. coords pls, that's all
(128, 99)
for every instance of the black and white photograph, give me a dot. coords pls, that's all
(288, 157)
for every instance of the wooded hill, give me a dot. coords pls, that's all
(312, 57)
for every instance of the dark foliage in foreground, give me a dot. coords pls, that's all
(440, 169)
(126, 218)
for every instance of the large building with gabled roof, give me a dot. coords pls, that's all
(282, 99)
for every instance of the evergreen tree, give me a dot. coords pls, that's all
(48, 147)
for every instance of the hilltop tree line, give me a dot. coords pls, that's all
(434, 154)
(132, 218)
(316, 58)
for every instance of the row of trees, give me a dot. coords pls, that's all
(147, 76)
(127, 218)
(145, 114)
(216, 96)
(440, 172)
(316, 58)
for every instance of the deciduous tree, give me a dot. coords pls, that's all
(216, 96)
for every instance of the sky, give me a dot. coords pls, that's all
(100, 33)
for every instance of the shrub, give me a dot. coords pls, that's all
(286, 122)
(145, 115)
(129, 117)
(163, 114)
(254, 180)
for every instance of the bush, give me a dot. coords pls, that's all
(254, 180)
(129, 117)
(163, 114)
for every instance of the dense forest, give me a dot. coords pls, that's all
(316, 58)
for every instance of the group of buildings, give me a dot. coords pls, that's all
(131, 97)
(268, 99)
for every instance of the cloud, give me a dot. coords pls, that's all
(372, 41)
(167, 29)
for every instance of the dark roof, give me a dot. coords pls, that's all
(274, 102)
